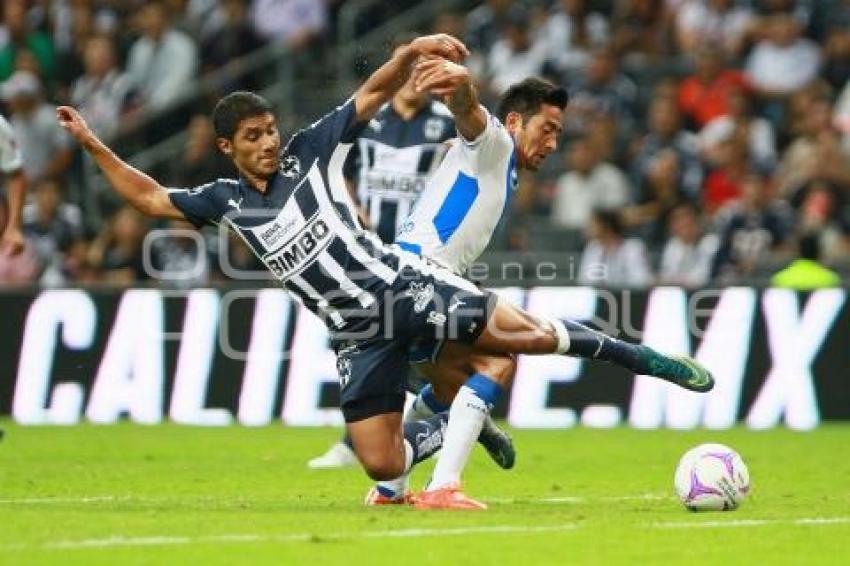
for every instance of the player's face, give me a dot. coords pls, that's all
(539, 136)
(255, 148)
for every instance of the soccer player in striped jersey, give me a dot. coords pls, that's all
(293, 210)
(387, 169)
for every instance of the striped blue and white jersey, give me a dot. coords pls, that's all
(304, 227)
(457, 213)
(393, 160)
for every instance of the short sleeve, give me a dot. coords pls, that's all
(197, 204)
(338, 126)
(10, 152)
(493, 145)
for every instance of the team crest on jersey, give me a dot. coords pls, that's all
(343, 367)
(433, 128)
(422, 295)
(290, 167)
(376, 125)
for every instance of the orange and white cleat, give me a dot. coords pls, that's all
(375, 497)
(449, 497)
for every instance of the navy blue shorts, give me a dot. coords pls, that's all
(426, 309)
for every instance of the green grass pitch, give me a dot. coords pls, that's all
(179, 495)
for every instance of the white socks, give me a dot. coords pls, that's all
(466, 417)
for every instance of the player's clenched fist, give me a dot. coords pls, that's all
(439, 76)
(442, 45)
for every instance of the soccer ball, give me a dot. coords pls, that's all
(712, 477)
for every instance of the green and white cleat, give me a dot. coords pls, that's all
(499, 445)
(683, 371)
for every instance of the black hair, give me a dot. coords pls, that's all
(234, 108)
(610, 219)
(526, 97)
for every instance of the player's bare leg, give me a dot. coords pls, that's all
(515, 331)
(387, 450)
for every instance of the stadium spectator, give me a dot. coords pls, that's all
(640, 34)
(602, 89)
(162, 63)
(47, 148)
(720, 23)
(688, 254)
(740, 121)
(20, 36)
(294, 23)
(12, 239)
(178, 258)
(725, 183)
(233, 38)
(72, 25)
(750, 230)
(784, 61)
(515, 55)
(571, 33)
(201, 160)
(52, 227)
(707, 93)
(806, 272)
(657, 196)
(818, 153)
(610, 259)
(117, 252)
(841, 114)
(590, 184)
(836, 46)
(17, 268)
(484, 25)
(665, 132)
(101, 93)
(823, 211)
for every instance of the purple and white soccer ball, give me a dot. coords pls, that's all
(712, 477)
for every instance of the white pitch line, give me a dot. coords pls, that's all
(63, 500)
(112, 542)
(576, 499)
(813, 521)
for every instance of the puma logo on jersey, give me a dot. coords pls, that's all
(236, 205)
(457, 303)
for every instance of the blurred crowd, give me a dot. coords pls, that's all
(706, 141)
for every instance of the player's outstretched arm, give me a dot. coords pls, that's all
(453, 83)
(139, 189)
(380, 87)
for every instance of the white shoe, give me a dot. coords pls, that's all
(338, 456)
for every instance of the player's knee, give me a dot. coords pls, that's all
(382, 467)
(499, 368)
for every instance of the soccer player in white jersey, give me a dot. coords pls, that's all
(454, 219)
(453, 223)
(11, 166)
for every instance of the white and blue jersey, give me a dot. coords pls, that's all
(393, 160)
(458, 211)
